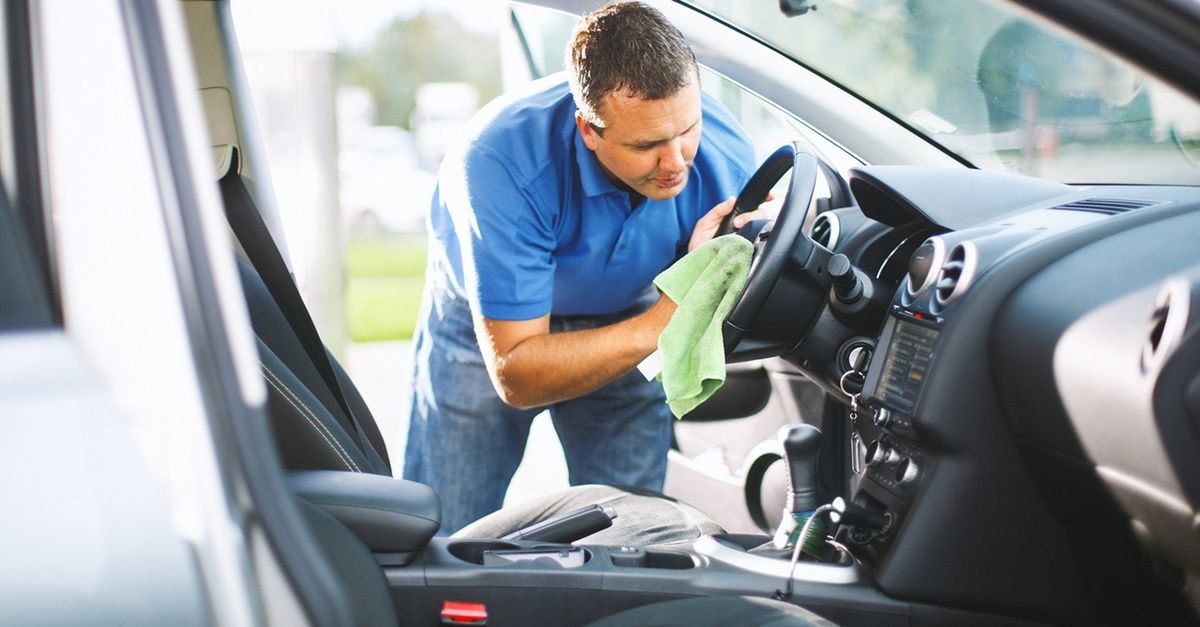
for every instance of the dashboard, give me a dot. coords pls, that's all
(1031, 405)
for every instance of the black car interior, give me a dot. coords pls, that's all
(983, 494)
(1004, 369)
(1005, 372)
(329, 449)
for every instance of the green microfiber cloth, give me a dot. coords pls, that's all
(704, 285)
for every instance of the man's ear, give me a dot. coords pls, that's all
(591, 137)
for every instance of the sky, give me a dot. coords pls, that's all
(357, 21)
(328, 24)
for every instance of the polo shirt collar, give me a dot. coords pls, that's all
(595, 181)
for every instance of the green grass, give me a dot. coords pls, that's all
(384, 278)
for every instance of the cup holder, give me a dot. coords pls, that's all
(471, 551)
(669, 560)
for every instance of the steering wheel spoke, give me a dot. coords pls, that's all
(786, 289)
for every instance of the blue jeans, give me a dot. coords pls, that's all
(467, 443)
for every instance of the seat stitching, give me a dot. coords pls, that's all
(311, 417)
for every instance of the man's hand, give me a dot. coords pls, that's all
(707, 227)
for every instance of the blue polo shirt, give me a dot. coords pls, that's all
(526, 223)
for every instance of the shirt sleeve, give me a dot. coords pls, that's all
(506, 236)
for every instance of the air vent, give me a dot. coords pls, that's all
(955, 275)
(826, 229)
(1168, 321)
(1107, 206)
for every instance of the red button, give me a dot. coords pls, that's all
(459, 613)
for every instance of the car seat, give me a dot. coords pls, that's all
(321, 422)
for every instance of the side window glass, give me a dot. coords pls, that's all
(540, 36)
(768, 126)
(24, 303)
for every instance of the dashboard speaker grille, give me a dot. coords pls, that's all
(1107, 206)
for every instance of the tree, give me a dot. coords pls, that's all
(429, 47)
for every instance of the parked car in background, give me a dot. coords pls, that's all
(1004, 368)
(381, 186)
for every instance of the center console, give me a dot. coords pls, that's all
(895, 461)
(575, 584)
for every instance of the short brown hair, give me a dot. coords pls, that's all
(629, 47)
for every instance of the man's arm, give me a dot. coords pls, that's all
(530, 366)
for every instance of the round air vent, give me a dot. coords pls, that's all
(1168, 321)
(923, 266)
(826, 229)
(955, 276)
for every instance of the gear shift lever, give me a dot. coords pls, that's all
(801, 449)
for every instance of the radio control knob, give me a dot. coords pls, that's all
(883, 418)
(906, 472)
(878, 453)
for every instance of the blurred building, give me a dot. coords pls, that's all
(441, 111)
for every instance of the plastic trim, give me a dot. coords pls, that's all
(965, 276)
(835, 229)
(805, 572)
(935, 268)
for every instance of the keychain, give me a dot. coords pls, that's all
(855, 372)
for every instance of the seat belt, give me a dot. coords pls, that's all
(263, 254)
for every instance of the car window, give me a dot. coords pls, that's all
(991, 85)
(543, 35)
(768, 126)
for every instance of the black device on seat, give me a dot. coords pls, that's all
(569, 527)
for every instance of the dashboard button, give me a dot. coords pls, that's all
(877, 453)
(906, 472)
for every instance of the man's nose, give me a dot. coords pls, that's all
(671, 159)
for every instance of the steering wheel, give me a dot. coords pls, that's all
(786, 289)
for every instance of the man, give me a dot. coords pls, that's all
(547, 227)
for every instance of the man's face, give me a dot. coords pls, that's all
(647, 145)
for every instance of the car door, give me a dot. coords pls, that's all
(134, 465)
(91, 532)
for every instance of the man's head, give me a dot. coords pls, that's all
(635, 83)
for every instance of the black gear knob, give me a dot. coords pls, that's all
(846, 284)
(801, 451)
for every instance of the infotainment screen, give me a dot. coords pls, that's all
(905, 365)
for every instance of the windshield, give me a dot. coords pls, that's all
(990, 84)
